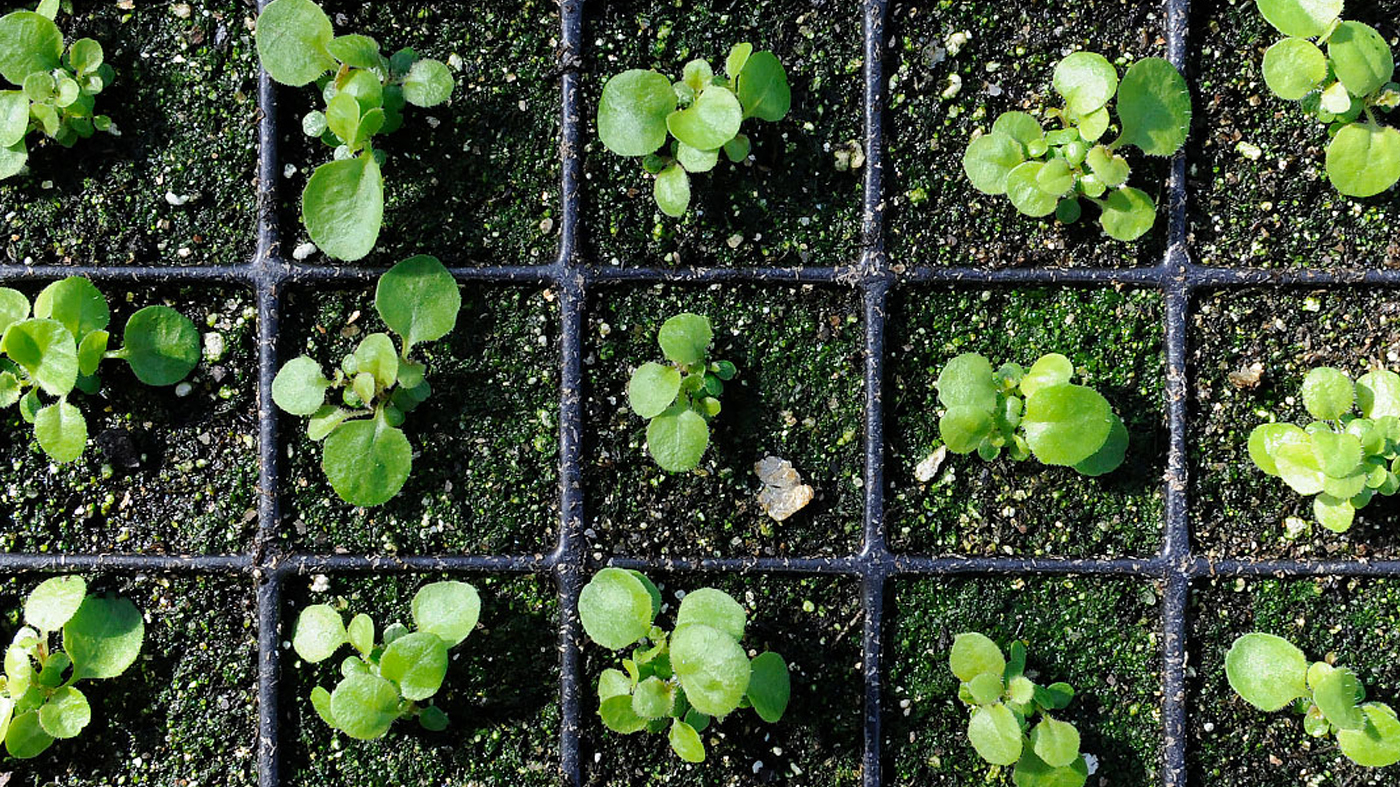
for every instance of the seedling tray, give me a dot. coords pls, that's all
(573, 277)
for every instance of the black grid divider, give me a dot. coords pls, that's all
(1175, 567)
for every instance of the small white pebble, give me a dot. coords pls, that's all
(183, 389)
(757, 766)
(289, 170)
(176, 199)
(320, 583)
(1092, 763)
(303, 251)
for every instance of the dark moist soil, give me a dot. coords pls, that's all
(1259, 190)
(161, 472)
(788, 204)
(1240, 511)
(500, 694)
(185, 101)
(486, 445)
(1099, 635)
(1114, 338)
(815, 623)
(934, 215)
(798, 395)
(184, 714)
(475, 180)
(1349, 620)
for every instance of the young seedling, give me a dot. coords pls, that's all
(385, 682)
(703, 112)
(366, 456)
(1342, 88)
(57, 88)
(683, 679)
(1050, 172)
(1029, 412)
(365, 92)
(59, 348)
(1004, 703)
(40, 702)
(1271, 674)
(1342, 459)
(680, 399)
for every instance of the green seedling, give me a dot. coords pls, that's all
(702, 113)
(1004, 703)
(57, 91)
(1050, 172)
(679, 681)
(365, 92)
(1029, 412)
(366, 456)
(385, 682)
(40, 701)
(59, 348)
(680, 399)
(1342, 88)
(1342, 459)
(1271, 674)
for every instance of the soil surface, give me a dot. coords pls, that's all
(185, 101)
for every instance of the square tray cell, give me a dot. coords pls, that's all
(789, 203)
(1250, 350)
(798, 395)
(1349, 620)
(184, 713)
(500, 694)
(815, 624)
(171, 469)
(1259, 190)
(1005, 62)
(177, 186)
(486, 445)
(475, 180)
(1114, 338)
(1099, 634)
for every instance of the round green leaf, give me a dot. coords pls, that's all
(974, 654)
(91, 350)
(319, 633)
(299, 387)
(61, 431)
(447, 609)
(1301, 18)
(967, 381)
(990, 158)
(685, 337)
(677, 440)
(685, 742)
(696, 160)
(653, 699)
(1334, 513)
(1031, 771)
(26, 737)
(986, 689)
(1265, 439)
(1055, 742)
(13, 159)
(361, 635)
(763, 88)
(1364, 160)
(428, 83)
(615, 608)
(1086, 80)
(1110, 455)
(46, 350)
(1294, 67)
(1154, 107)
(355, 50)
(66, 713)
(342, 206)
(1020, 126)
(86, 55)
(715, 609)
(618, 716)
(364, 705)
(1023, 188)
(1297, 465)
(292, 36)
(28, 43)
(1336, 693)
(1066, 424)
(103, 637)
(321, 703)
(712, 120)
(1361, 58)
(367, 461)
(1378, 394)
(671, 190)
(14, 117)
(433, 718)
(418, 299)
(964, 428)
(1267, 671)
(1055, 177)
(53, 602)
(417, 662)
(1338, 455)
(738, 55)
(632, 112)
(1327, 393)
(161, 344)
(1128, 214)
(712, 667)
(651, 590)
(652, 389)
(1110, 168)
(1093, 125)
(995, 734)
(770, 686)
(1049, 369)
(13, 307)
(1378, 744)
(613, 683)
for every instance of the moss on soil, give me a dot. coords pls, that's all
(934, 214)
(501, 693)
(1260, 194)
(1239, 511)
(1114, 338)
(485, 470)
(798, 395)
(476, 180)
(161, 472)
(815, 624)
(788, 205)
(184, 714)
(1099, 635)
(1231, 742)
(185, 101)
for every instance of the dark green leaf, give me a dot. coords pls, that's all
(763, 88)
(1154, 107)
(367, 462)
(103, 637)
(343, 206)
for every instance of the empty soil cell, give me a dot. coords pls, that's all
(790, 203)
(177, 186)
(1349, 621)
(1239, 512)
(166, 470)
(970, 506)
(185, 713)
(485, 444)
(941, 93)
(815, 623)
(1259, 189)
(475, 180)
(500, 693)
(798, 395)
(1100, 635)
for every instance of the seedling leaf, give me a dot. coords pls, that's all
(763, 88)
(1301, 18)
(712, 667)
(299, 387)
(447, 609)
(1378, 744)
(417, 662)
(66, 713)
(685, 741)
(1267, 671)
(54, 602)
(61, 431)
(1360, 57)
(974, 654)
(1363, 160)
(1294, 67)
(103, 637)
(615, 609)
(632, 112)
(292, 36)
(677, 440)
(161, 345)
(1154, 107)
(364, 705)
(715, 609)
(418, 299)
(343, 206)
(319, 633)
(770, 686)
(1086, 80)
(995, 734)
(1066, 424)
